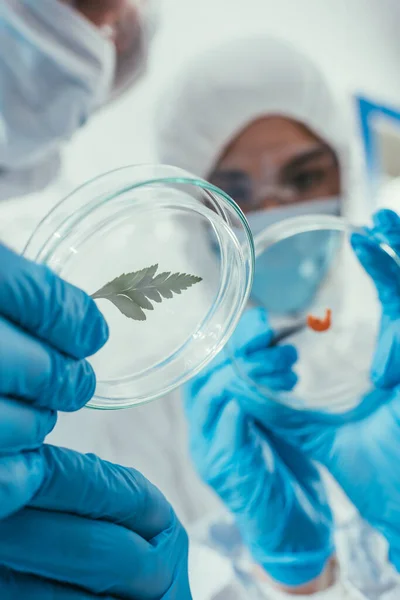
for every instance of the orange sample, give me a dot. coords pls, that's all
(320, 324)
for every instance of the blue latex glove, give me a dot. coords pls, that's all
(361, 448)
(47, 328)
(385, 272)
(93, 530)
(273, 490)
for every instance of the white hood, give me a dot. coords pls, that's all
(229, 86)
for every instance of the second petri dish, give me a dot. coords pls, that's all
(159, 251)
(321, 300)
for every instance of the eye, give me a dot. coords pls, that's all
(235, 183)
(306, 180)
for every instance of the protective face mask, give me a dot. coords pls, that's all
(56, 70)
(289, 274)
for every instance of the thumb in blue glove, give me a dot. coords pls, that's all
(93, 530)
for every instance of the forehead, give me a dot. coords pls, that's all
(277, 138)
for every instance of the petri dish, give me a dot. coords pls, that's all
(305, 266)
(169, 260)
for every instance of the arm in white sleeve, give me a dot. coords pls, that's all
(55, 70)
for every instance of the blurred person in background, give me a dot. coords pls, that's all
(258, 119)
(61, 62)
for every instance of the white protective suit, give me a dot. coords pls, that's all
(219, 93)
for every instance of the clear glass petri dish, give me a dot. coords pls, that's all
(169, 260)
(320, 299)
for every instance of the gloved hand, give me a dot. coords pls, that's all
(47, 328)
(91, 527)
(273, 490)
(93, 530)
(361, 448)
(385, 272)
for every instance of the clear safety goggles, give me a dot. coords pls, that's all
(299, 179)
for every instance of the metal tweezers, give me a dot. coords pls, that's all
(286, 332)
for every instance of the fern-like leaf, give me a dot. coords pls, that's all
(133, 293)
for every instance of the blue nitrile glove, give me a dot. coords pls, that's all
(47, 328)
(385, 272)
(274, 492)
(362, 447)
(93, 530)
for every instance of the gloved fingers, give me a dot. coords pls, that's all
(36, 299)
(308, 429)
(313, 430)
(180, 588)
(279, 382)
(22, 586)
(203, 408)
(387, 227)
(99, 557)
(21, 475)
(271, 368)
(252, 334)
(256, 484)
(303, 468)
(383, 270)
(385, 372)
(22, 426)
(85, 485)
(228, 455)
(259, 481)
(33, 371)
(270, 360)
(209, 385)
(217, 430)
(231, 461)
(233, 427)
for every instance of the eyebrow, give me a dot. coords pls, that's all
(300, 161)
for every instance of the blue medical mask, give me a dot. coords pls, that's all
(289, 274)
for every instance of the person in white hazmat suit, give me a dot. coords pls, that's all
(258, 119)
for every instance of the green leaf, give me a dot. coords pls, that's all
(132, 293)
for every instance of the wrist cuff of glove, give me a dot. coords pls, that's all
(295, 569)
